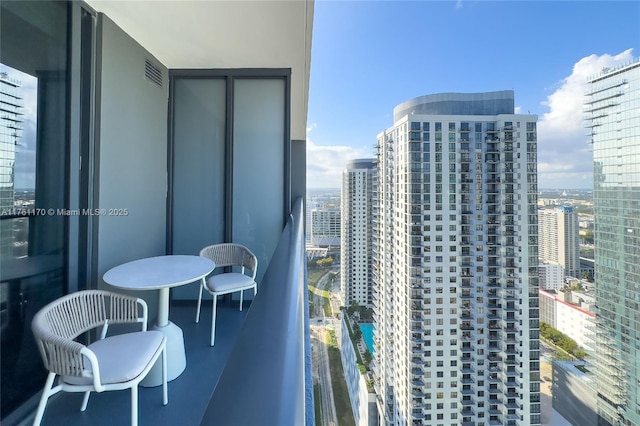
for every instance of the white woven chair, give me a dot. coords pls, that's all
(231, 255)
(110, 363)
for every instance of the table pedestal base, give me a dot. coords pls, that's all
(176, 357)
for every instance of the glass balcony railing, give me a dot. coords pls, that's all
(270, 360)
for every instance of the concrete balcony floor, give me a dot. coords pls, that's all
(189, 393)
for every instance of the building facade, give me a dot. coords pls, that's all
(455, 263)
(613, 118)
(356, 234)
(574, 394)
(325, 227)
(569, 312)
(560, 239)
(361, 395)
(551, 276)
(11, 103)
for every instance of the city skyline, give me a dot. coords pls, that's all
(370, 56)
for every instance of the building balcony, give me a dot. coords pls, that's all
(468, 391)
(466, 358)
(466, 326)
(466, 316)
(493, 315)
(417, 415)
(509, 350)
(244, 361)
(467, 401)
(468, 411)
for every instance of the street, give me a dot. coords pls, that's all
(322, 375)
(320, 355)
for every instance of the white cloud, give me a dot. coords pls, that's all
(564, 156)
(326, 163)
(311, 127)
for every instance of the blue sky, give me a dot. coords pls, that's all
(369, 56)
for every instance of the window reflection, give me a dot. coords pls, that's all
(33, 181)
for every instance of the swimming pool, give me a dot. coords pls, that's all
(367, 335)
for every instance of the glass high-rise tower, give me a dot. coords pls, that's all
(455, 263)
(11, 104)
(613, 116)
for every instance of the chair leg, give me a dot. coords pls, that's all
(134, 405)
(165, 396)
(85, 400)
(213, 319)
(199, 303)
(46, 393)
(241, 294)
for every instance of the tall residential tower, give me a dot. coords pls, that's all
(560, 239)
(613, 116)
(455, 263)
(356, 275)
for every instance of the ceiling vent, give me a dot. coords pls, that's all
(152, 72)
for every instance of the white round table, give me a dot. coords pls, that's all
(161, 273)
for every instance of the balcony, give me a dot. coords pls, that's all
(180, 196)
(207, 391)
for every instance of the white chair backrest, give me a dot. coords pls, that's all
(231, 254)
(57, 325)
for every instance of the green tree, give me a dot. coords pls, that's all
(588, 237)
(357, 333)
(561, 340)
(325, 261)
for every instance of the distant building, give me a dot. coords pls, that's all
(310, 206)
(356, 244)
(325, 227)
(551, 276)
(559, 238)
(577, 322)
(548, 307)
(587, 266)
(612, 113)
(574, 394)
(586, 224)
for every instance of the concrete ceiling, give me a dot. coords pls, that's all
(224, 34)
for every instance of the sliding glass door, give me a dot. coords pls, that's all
(198, 172)
(230, 151)
(46, 128)
(34, 96)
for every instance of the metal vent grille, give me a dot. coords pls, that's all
(152, 73)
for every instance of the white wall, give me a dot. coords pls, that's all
(360, 397)
(575, 323)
